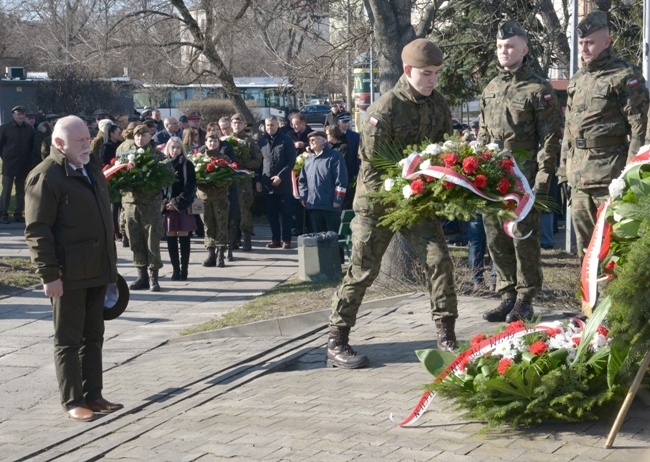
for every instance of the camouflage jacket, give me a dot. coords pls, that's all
(397, 118)
(607, 103)
(255, 160)
(520, 109)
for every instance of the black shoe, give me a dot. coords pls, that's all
(125, 240)
(523, 311)
(500, 313)
(4, 220)
(446, 334)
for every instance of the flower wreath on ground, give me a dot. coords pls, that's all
(140, 170)
(217, 172)
(455, 180)
(241, 147)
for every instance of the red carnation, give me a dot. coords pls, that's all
(504, 365)
(417, 186)
(450, 159)
(575, 340)
(480, 181)
(113, 160)
(602, 330)
(448, 184)
(515, 325)
(611, 266)
(486, 156)
(507, 164)
(538, 348)
(553, 332)
(470, 164)
(222, 162)
(478, 338)
(503, 186)
(210, 168)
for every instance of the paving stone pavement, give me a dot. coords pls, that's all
(260, 398)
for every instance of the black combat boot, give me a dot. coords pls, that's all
(155, 287)
(221, 253)
(247, 246)
(340, 353)
(523, 310)
(184, 242)
(125, 240)
(446, 334)
(499, 313)
(212, 258)
(230, 257)
(172, 247)
(142, 282)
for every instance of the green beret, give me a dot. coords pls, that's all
(422, 53)
(509, 29)
(594, 21)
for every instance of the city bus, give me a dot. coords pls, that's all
(264, 95)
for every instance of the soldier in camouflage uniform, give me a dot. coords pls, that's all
(606, 119)
(245, 188)
(144, 223)
(519, 110)
(217, 202)
(411, 112)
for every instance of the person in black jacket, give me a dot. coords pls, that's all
(273, 181)
(178, 198)
(113, 136)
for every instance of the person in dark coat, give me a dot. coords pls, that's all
(352, 161)
(113, 135)
(69, 233)
(273, 181)
(16, 143)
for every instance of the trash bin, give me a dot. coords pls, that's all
(318, 256)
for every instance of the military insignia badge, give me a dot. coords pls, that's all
(633, 83)
(547, 97)
(373, 121)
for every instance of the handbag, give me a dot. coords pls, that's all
(197, 207)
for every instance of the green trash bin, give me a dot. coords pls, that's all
(318, 256)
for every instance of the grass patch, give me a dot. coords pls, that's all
(15, 274)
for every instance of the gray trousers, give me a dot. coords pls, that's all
(5, 197)
(78, 341)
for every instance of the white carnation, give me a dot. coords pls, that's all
(131, 158)
(407, 191)
(432, 149)
(140, 151)
(493, 147)
(449, 144)
(117, 162)
(616, 188)
(388, 184)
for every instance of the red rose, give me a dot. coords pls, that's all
(504, 365)
(470, 164)
(538, 348)
(417, 186)
(448, 184)
(602, 330)
(503, 186)
(222, 162)
(213, 161)
(210, 168)
(507, 164)
(113, 160)
(478, 338)
(450, 159)
(515, 325)
(553, 332)
(480, 181)
(610, 266)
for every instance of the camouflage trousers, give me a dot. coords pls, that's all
(369, 243)
(517, 261)
(215, 220)
(144, 227)
(245, 194)
(584, 206)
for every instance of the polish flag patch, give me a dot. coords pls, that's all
(547, 97)
(373, 121)
(633, 83)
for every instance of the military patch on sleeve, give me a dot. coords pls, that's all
(547, 97)
(373, 121)
(633, 83)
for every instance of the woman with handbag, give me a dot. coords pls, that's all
(178, 199)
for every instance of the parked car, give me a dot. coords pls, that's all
(315, 113)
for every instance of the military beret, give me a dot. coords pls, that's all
(594, 21)
(237, 116)
(194, 116)
(18, 109)
(90, 119)
(509, 29)
(422, 53)
(141, 129)
(316, 133)
(343, 116)
(100, 112)
(183, 118)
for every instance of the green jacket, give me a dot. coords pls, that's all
(520, 109)
(607, 102)
(255, 160)
(69, 224)
(397, 118)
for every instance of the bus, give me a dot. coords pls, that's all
(264, 95)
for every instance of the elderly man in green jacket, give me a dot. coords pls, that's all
(69, 231)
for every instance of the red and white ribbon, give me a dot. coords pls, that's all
(524, 201)
(109, 172)
(460, 364)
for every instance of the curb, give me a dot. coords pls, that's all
(288, 325)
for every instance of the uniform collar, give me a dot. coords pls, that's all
(519, 74)
(405, 92)
(601, 61)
